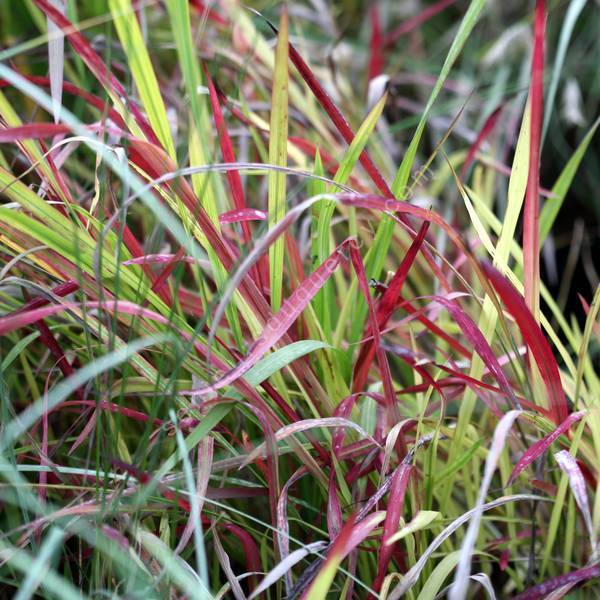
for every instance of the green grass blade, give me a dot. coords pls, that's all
(553, 205)
(566, 31)
(39, 567)
(469, 21)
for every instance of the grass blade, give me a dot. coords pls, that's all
(279, 323)
(468, 23)
(559, 191)
(542, 590)
(537, 449)
(351, 535)
(531, 227)
(566, 31)
(461, 580)
(56, 60)
(413, 574)
(569, 466)
(278, 140)
(536, 342)
(140, 64)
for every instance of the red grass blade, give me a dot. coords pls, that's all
(409, 358)
(385, 309)
(208, 12)
(279, 323)
(96, 65)
(407, 26)
(395, 507)
(282, 568)
(61, 290)
(335, 115)
(259, 272)
(384, 367)
(535, 340)
(90, 99)
(158, 259)
(346, 132)
(158, 285)
(156, 163)
(433, 328)
(32, 131)
(376, 45)
(531, 224)
(306, 425)
(233, 177)
(542, 590)
(50, 342)
(542, 445)
(351, 536)
(130, 413)
(487, 128)
(480, 345)
(242, 215)
(335, 518)
(16, 320)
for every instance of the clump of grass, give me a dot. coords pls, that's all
(265, 335)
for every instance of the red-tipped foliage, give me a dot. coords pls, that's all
(395, 507)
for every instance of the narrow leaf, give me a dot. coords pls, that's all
(537, 449)
(535, 340)
(278, 156)
(56, 59)
(543, 589)
(142, 72)
(351, 535)
(571, 469)
(413, 574)
(279, 323)
(463, 571)
(531, 226)
(553, 205)
(422, 519)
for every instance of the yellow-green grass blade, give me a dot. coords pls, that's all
(583, 355)
(487, 218)
(278, 156)
(31, 147)
(202, 184)
(182, 33)
(142, 72)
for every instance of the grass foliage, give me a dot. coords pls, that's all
(281, 311)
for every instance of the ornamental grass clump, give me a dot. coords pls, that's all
(291, 303)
